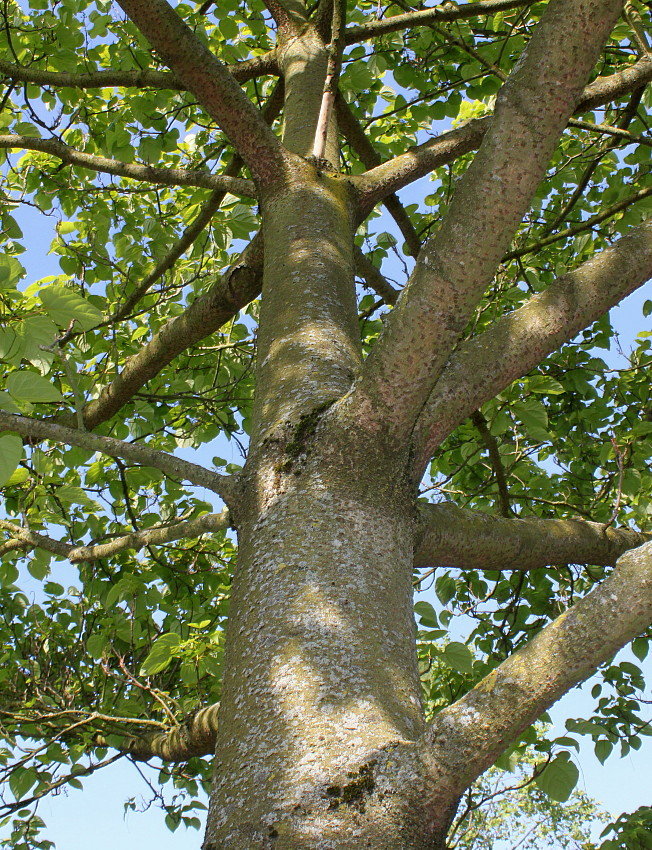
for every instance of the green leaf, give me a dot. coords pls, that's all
(508, 760)
(497, 22)
(534, 417)
(28, 386)
(163, 651)
(7, 403)
(172, 821)
(95, 645)
(458, 656)
(39, 565)
(71, 495)
(445, 588)
(65, 306)
(11, 345)
(603, 749)
(544, 384)
(559, 778)
(21, 779)
(640, 648)
(11, 451)
(17, 477)
(38, 331)
(11, 271)
(65, 227)
(427, 614)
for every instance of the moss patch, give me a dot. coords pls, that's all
(355, 792)
(303, 431)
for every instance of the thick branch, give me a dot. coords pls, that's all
(484, 365)
(290, 15)
(382, 180)
(468, 736)
(156, 536)
(607, 89)
(145, 173)
(457, 263)
(23, 538)
(194, 738)
(38, 429)
(444, 12)
(420, 160)
(249, 69)
(213, 86)
(239, 285)
(470, 540)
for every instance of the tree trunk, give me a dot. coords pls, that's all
(320, 741)
(321, 733)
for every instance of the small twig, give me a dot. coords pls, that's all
(333, 69)
(496, 461)
(620, 458)
(69, 368)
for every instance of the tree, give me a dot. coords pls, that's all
(472, 428)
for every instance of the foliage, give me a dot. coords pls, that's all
(630, 831)
(120, 647)
(510, 811)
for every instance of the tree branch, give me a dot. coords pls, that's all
(156, 536)
(374, 279)
(213, 86)
(370, 158)
(288, 16)
(484, 365)
(239, 285)
(615, 132)
(381, 179)
(249, 69)
(38, 429)
(455, 537)
(333, 68)
(424, 17)
(468, 736)
(607, 89)
(193, 738)
(581, 227)
(496, 461)
(532, 109)
(133, 171)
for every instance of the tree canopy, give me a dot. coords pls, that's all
(492, 162)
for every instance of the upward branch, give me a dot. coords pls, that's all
(213, 86)
(469, 735)
(440, 13)
(456, 264)
(484, 365)
(232, 291)
(38, 429)
(332, 76)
